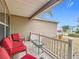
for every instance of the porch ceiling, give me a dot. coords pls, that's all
(25, 7)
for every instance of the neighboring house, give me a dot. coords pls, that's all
(25, 26)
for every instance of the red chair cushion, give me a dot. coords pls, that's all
(17, 44)
(7, 43)
(28, 56)
(4, 54)
(17, 49)
(16, 37)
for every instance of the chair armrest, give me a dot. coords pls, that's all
(12, 48)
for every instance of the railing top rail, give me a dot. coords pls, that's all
(51, 38)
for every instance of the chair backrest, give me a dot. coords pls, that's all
(4, 54)
(10, 38)
(15, 35)
(7, 43)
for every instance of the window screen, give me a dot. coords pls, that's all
(1, 32)
(2, 13)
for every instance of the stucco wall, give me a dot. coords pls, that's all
(24, 26)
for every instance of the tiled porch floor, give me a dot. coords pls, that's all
(33, 50)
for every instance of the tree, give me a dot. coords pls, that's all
(49, 12)
(77, 30)
(65, 28)
(78, 22)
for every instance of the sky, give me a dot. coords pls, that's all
(66, 13)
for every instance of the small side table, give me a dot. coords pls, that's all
(38, 44)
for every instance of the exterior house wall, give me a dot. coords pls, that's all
(24, 26)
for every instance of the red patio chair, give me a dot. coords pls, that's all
(13, 47)
(16, 37)
(4, 55)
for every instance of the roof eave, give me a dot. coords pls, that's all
(44, 7)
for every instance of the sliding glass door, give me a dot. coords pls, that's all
(4, 21)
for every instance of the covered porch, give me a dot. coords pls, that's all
(19, 16)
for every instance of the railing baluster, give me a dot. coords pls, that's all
(70, 55)
(64, 50)
(54, 47)
(61, 50)
(39, 38)
(29, 36)
(57, 47)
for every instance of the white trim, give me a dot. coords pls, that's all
(3, 24)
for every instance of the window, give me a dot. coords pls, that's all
(4, 21)
(1, 32)
(2, 13)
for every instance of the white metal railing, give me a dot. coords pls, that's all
(57, 48)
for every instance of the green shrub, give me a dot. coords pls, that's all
(74, 35)
(77, 31)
